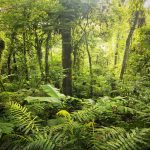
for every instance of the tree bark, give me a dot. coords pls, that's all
(38, 46)
(46, 56)
(25, 57)
(90, 65)
(116, 51)
(128, 42)
(2, 46)
(66, 61)
(9, 62)
(15, 63)
(11, 49)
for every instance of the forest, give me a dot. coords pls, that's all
(74, 75)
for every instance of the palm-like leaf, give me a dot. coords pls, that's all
(51, 91)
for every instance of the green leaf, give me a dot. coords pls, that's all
(52, 100)
(51, 91)
(6, 128)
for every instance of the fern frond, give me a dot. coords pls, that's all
(15, 141)
(117, 138)
(44, 142)
(64, 113)
(22, 118)
(6, 127)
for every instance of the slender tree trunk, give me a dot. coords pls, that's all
(38, 46)
(116, 51)
(25, 57)
(75, 57)
(11, 47)
(90, 65)
(128, 42)
(15, 63)
(75, 50)
(9, 62)
(46, 56)
(2, 46)
(66, 61)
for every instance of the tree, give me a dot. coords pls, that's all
(2, 46)
(67, 16)
(129, 38)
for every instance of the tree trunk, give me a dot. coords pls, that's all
(9, 62)
(2, 46)
(46, 56)
(66, 61)
(25, 57)
(38, 46)
(15, 64)
(128, 42)
(116, 51)
(90, 65)
(11, 47)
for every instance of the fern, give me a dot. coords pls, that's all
(45, 140)
(115, 138)
(65, 114)
(105, 107)
(22, 118)
(5, 127)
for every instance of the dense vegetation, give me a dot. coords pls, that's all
(74, 75)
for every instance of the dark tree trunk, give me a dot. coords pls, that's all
(25, 57)
(128, 42)
(38, 46)
(11, 49)
(9, 62)
(66, 61)
(2, 46)
(15, 63)
(46, 56)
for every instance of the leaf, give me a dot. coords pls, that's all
(64, 113)
(52, 100)
(6, 128)
(51, 91)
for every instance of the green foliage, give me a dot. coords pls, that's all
(5, 127)
(90, 127)
(102, 113)
(45, 142)
(117, 138)
(42, 99)
(51, 91)
(22, 119)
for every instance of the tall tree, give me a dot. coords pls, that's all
(2, 46)
(47, 48)
(135, 17)
(67, 16)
